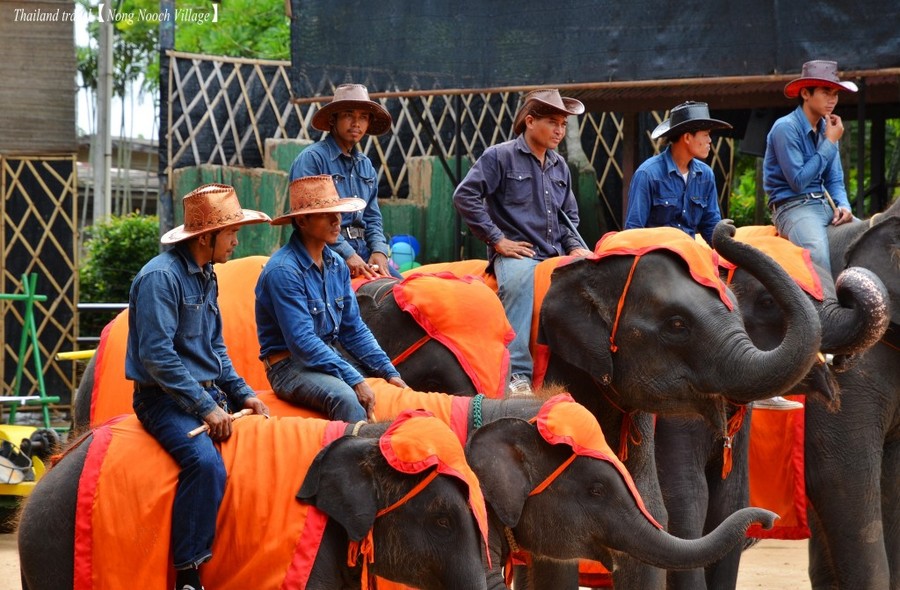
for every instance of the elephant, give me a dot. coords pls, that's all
(587, 512)
(691, 458)
(352, 480)
(853, 457)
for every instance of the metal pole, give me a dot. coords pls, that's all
(457, 222)
(103, 147)
(861, 151)
(164, 204)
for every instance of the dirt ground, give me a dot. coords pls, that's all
(770, 564)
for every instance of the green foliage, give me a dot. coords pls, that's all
(255, 29)
(115, 250)
(742, 201)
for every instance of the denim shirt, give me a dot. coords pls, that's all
(307, 311)
(659, 197)
(507, 194)
(354, 176)
(175, 334)
(800, 160)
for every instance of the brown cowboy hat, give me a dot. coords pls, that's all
(688, 117)
(317, 194)
(209, 208)
(349, 97)
(818, 72)
(551, 100)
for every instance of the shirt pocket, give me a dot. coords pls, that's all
(664, 211)
(518, 187)
(317, 311)
(190, 322)
(558, 190)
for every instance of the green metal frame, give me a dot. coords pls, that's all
(29, 333)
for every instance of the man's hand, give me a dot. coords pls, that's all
(512, 249)
(398, 382)
(841, 215)
(378, 263)
(359, 268)
(580, 252)
(219, 423)
(257, 405)
(366, 398)
(834, 128)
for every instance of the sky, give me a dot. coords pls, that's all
(138, 111)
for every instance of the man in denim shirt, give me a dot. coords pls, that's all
(182, 375)
(676, 188)
(511, 199)
(802, 166)
(305, 306)
(347, 118)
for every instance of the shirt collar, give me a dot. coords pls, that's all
(671, 168)
(334, 150)
(302, 253)
(803, 122)
(190, 264)
(551, 158)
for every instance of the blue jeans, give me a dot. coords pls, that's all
(515, 282)
(312, 389)
(804, 221)
(201, 479)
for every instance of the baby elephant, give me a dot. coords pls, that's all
(387, 506)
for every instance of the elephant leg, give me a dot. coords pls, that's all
(844, 487)
(821, 572)
(890, 509)
(727, 496)
(681, 456)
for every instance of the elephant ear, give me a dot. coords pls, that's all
(573, 322)
(341, 484)
(500, 454)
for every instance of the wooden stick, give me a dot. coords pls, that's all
(205, 427)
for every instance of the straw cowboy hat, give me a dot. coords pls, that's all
(209, 208)
(546, 100)
(349, 97)
(688, 117)
(317, 194)
(818, 72)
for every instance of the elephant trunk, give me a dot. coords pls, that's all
(660, 549)
(768, 372)
(858, 316)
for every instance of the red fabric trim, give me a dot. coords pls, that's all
(84, 507)
(310, 540)
(459, 418)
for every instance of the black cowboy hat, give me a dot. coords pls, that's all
(688, 117)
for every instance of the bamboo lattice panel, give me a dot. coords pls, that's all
(39, 236)
(224, 109)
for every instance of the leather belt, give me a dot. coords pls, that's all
(353, 232)
(275, 358)
(804, 197)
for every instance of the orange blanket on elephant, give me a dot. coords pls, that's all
(776, 471)
(793, 259)
(464, 315)
(123, 516)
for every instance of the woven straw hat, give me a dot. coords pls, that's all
(317, 194)
(209, 208)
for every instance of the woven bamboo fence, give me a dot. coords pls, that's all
(223, 109)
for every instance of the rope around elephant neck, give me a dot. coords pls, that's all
(477, 417)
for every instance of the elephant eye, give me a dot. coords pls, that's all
(442, 521)
(598, 489)
(677, 325)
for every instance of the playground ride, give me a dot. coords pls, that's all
(24, 449)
